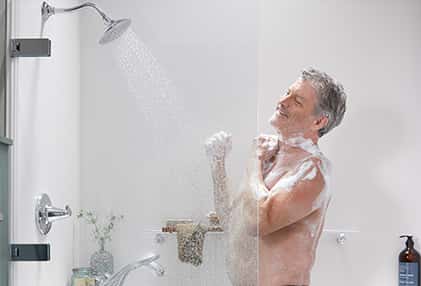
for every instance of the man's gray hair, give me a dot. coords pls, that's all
(331, 97)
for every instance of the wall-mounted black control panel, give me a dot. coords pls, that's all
(30, 252)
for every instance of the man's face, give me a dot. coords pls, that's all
(294, 114)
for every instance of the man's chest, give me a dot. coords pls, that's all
(281, 169)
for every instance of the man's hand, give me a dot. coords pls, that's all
(266, 146)
(218, 146)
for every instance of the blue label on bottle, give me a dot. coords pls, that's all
(408, 273)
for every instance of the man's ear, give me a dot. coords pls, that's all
(321, 122)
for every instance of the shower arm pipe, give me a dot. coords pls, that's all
(53, 10)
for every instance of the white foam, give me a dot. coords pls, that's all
(286, 183)
(218, 145)
(304, 143)
(324, 196)
(311, 175)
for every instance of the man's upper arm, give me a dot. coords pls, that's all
(283, 207)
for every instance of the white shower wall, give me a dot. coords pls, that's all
(46, 139)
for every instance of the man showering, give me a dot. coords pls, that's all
(275, 221)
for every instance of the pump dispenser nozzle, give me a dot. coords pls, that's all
(409, 242)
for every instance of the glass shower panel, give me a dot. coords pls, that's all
(4, 201)
(151, 141)
(374, 152)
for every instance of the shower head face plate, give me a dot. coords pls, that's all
(114, 30)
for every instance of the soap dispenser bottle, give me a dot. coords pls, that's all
(409, 264)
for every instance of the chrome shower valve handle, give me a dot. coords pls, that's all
(54, 214)
(46, 214)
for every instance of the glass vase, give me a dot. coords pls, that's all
(102, 261)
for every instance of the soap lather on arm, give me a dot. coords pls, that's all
(217, 147)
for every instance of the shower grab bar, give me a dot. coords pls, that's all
(171, 229)
(341, 234)
(216, 230)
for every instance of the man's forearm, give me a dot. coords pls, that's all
(221, 192)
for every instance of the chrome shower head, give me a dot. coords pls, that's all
(113, 28)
